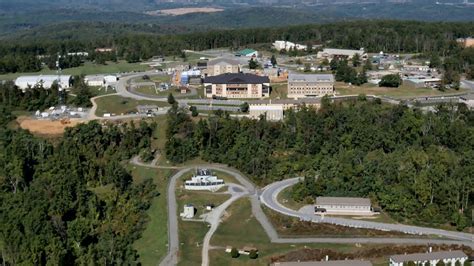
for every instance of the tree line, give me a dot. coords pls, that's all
(415, 166)
(374, 36)
(72, 202)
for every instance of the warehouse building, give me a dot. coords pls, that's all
(430, 258)
(25, 82)
(237, 85)
(343, 206)
(310, 85)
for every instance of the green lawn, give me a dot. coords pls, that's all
(88, 68)
(191, 233)
(286, 200)
(149, 90)
(401, 92)
(279, 91)
(118, 105)
(153, 245)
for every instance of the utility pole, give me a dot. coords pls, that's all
(60, 89)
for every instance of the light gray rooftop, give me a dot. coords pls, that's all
(455, 254)
(311, 78)
(347, 201)
(222, 60)
(326, 263)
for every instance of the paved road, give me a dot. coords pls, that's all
(269, 198)
(214, 218)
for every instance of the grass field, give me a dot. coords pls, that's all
(279, 91)
(88, 68)
(118, 105)
(286, 200)
(401, 92)
(152, 246)
(148, 90)
(191, 233)
(239, 228)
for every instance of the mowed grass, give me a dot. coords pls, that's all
(149, 90)
(88, 68)
(285, 198)
(240, 228)
(279, 91)
(119, 105)
(153, 244)
(404, 91)
(191, 233)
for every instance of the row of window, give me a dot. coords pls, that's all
(189, 183)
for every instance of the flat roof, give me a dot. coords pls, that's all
(276, 107)
(307, 100)
(455, 254)
(325, 263)
(422, 80)
(343, 201)
(311, 78)
(342, 51)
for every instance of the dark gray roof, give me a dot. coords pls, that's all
(347, 201)
(237, 78)
(456, 254)
(325, 263)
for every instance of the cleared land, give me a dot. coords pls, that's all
(45, 127)
(184, 11)
(401, 92)
(191, 233)
(118, 105)
(88, 68)
(153, 245)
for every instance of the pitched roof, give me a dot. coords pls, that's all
(311, 78)
(222, 60)
(348, 201)
(246, 51)
(237, 78)
(455, 254)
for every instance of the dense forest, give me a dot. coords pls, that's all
(374, 36)
(414, 165)
(72, 202)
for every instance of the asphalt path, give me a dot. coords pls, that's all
(269, 199)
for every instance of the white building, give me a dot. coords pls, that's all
(285, 45)
(188, 212)
(94, 80)
(272, 112)
(330, 53)
(447, 257)
(343, 206)
(204, 180)
(24, 82)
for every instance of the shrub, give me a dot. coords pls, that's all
(253, 254)
(234, 253)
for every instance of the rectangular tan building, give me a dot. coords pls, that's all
(310, 85)
(237, 85)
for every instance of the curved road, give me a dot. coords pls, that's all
(269, 198)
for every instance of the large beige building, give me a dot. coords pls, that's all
(310, 85)
(237, 85)
(466, 42)
(330, 53)
(220, 66)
